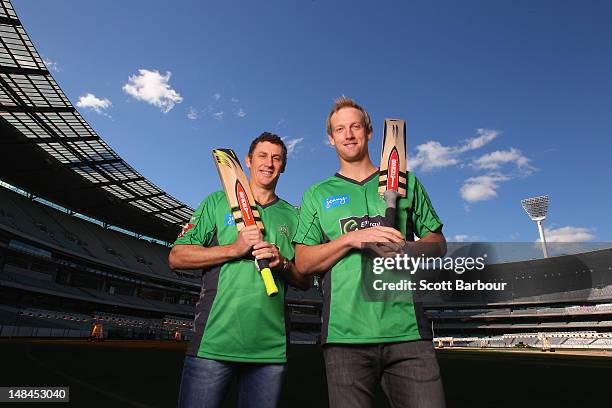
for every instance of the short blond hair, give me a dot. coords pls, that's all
(346, 102)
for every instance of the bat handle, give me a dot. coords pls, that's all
(391, 210)
(266, 275)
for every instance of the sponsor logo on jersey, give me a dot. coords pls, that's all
(229, 220)
(356, 223)
(186, 228)
(335, 201)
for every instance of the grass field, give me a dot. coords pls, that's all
(147, 374)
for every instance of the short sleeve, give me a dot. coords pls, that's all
(309, 227)
(424, 217)
(201, 228)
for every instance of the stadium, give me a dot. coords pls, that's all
(87, 299)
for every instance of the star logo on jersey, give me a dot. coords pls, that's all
(283, 229)
(186, 228)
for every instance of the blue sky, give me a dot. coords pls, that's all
(503, 100)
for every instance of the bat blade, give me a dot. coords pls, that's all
(393, 166)
(242, 204)
(393, 178)
(237, 189)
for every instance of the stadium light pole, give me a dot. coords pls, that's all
(537, 208)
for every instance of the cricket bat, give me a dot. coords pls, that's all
(393, 178)
(242, 204)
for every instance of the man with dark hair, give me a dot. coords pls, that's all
(366, 342)
(239, 330)
(274, 139)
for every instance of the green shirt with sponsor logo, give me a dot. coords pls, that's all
(336, 206)
(235, 319)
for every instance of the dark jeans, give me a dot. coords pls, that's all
(205, 383)
(407, 372)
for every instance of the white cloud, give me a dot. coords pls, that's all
(91, 101)
(51, 65)
(482, 188)
(568, 234)
(463, 238)
(494, 160)
(153, 88)
(221, 107)
(280, 122)
(433, 155)
(293, 145)
(485, 187)
(484, 136)
(192, 113)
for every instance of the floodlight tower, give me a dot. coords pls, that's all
(536, 208)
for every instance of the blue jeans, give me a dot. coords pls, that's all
(205, 383)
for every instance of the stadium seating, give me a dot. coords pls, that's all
(576, 341)
(304, 337)
(13, 278)
(602, 342)
(121, 256)
(82, 237)
(537, 340)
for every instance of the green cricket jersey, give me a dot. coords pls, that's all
(235, 319)
(336, 206)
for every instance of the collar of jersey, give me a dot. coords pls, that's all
(269, 204)
(359, 183)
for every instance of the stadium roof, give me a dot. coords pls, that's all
(48, 149)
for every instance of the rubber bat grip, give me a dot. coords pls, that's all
(266, 275)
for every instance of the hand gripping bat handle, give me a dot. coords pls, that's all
(391, 210)
(266, 275)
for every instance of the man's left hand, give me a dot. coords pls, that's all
(266, 250)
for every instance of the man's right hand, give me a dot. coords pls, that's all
(247, 237)
(374, 234)
(321, 258)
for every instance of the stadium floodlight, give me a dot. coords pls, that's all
(536, 208)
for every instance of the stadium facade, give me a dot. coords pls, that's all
(561, 301)
(84, 239)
